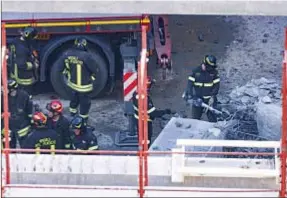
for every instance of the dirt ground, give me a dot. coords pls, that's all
(246, 48)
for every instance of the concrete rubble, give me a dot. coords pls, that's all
(261, 98)
(184, 128)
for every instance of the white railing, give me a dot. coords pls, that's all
(249, 170)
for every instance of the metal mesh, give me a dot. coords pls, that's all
(245, 129)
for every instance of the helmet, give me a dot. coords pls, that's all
(77, 123)
(81, 43)
(12, 84)
(29, 33)
(210, 60)
(55, 106)
(39, 119)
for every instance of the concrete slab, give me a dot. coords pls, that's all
(184, 128)
(110, 191)
(277, 7)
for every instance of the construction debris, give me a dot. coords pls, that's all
(268, 117)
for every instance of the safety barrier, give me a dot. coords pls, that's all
(142, 161)
(222, 169)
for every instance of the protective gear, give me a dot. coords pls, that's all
(61, 126)
(204, 85)
(78, 123)
(210, 60)
(42, 138)
(81, 43)
(78, 67)
(29, 33)
(20, 108)
(151, 111)
(22, 61)
(12, 84)
(55, 106)
(39, 119)
(85, 140)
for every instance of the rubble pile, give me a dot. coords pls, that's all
(261, 98)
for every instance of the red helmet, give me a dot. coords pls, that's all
(55, 106)
(39, 119)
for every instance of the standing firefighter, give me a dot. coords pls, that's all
(82, 137)
(41, 137)
(77, 65)
(151, 110)
(20, 108)
(23, 62)
(203, 84)
(58, 122)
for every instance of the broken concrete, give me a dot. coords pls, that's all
(184, 128)
(268, 117)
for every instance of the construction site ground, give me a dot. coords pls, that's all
(246, 48)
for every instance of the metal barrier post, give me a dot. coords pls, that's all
(5, 101)
(284, 122)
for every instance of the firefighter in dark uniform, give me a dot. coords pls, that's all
(58, 122)
(203, 84)
(81, 136)
(20, 108)
(23, 62)
(41, 137)
(151, 110)
(78, 65)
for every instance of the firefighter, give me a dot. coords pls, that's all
(58, 122)
(23, 62)
(151, 110)
(20, 108)
(41, 137)
(78, 65)
(203, 84)
(82, 137)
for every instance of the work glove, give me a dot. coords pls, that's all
(197, 102)
(167, 111)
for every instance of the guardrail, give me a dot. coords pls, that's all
(180, 170)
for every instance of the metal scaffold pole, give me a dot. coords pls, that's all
(5, 114)
(142, 121)
(284, 122)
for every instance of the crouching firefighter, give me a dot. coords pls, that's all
(81, 136)
(23, 61)
(203, 86)
(77, 65)
(20, 108)
(151, 110)
(58, 122)
(41, 137)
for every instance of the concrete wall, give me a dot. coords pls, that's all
(277, 7)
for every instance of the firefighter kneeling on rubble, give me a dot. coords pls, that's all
(23, 61)
(151, 110)
(20, 108)
(58, 122)
(41, 137)
(77, 65)
(203, 86)
(82, 137)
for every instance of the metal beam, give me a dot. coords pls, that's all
(251, 7)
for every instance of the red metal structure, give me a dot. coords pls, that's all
(143, 144)
(284, 121)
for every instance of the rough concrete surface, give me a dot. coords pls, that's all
(246, 47)
(171, 7)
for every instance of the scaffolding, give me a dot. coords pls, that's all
(142, 152)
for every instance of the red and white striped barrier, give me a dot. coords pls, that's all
(130, 85)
